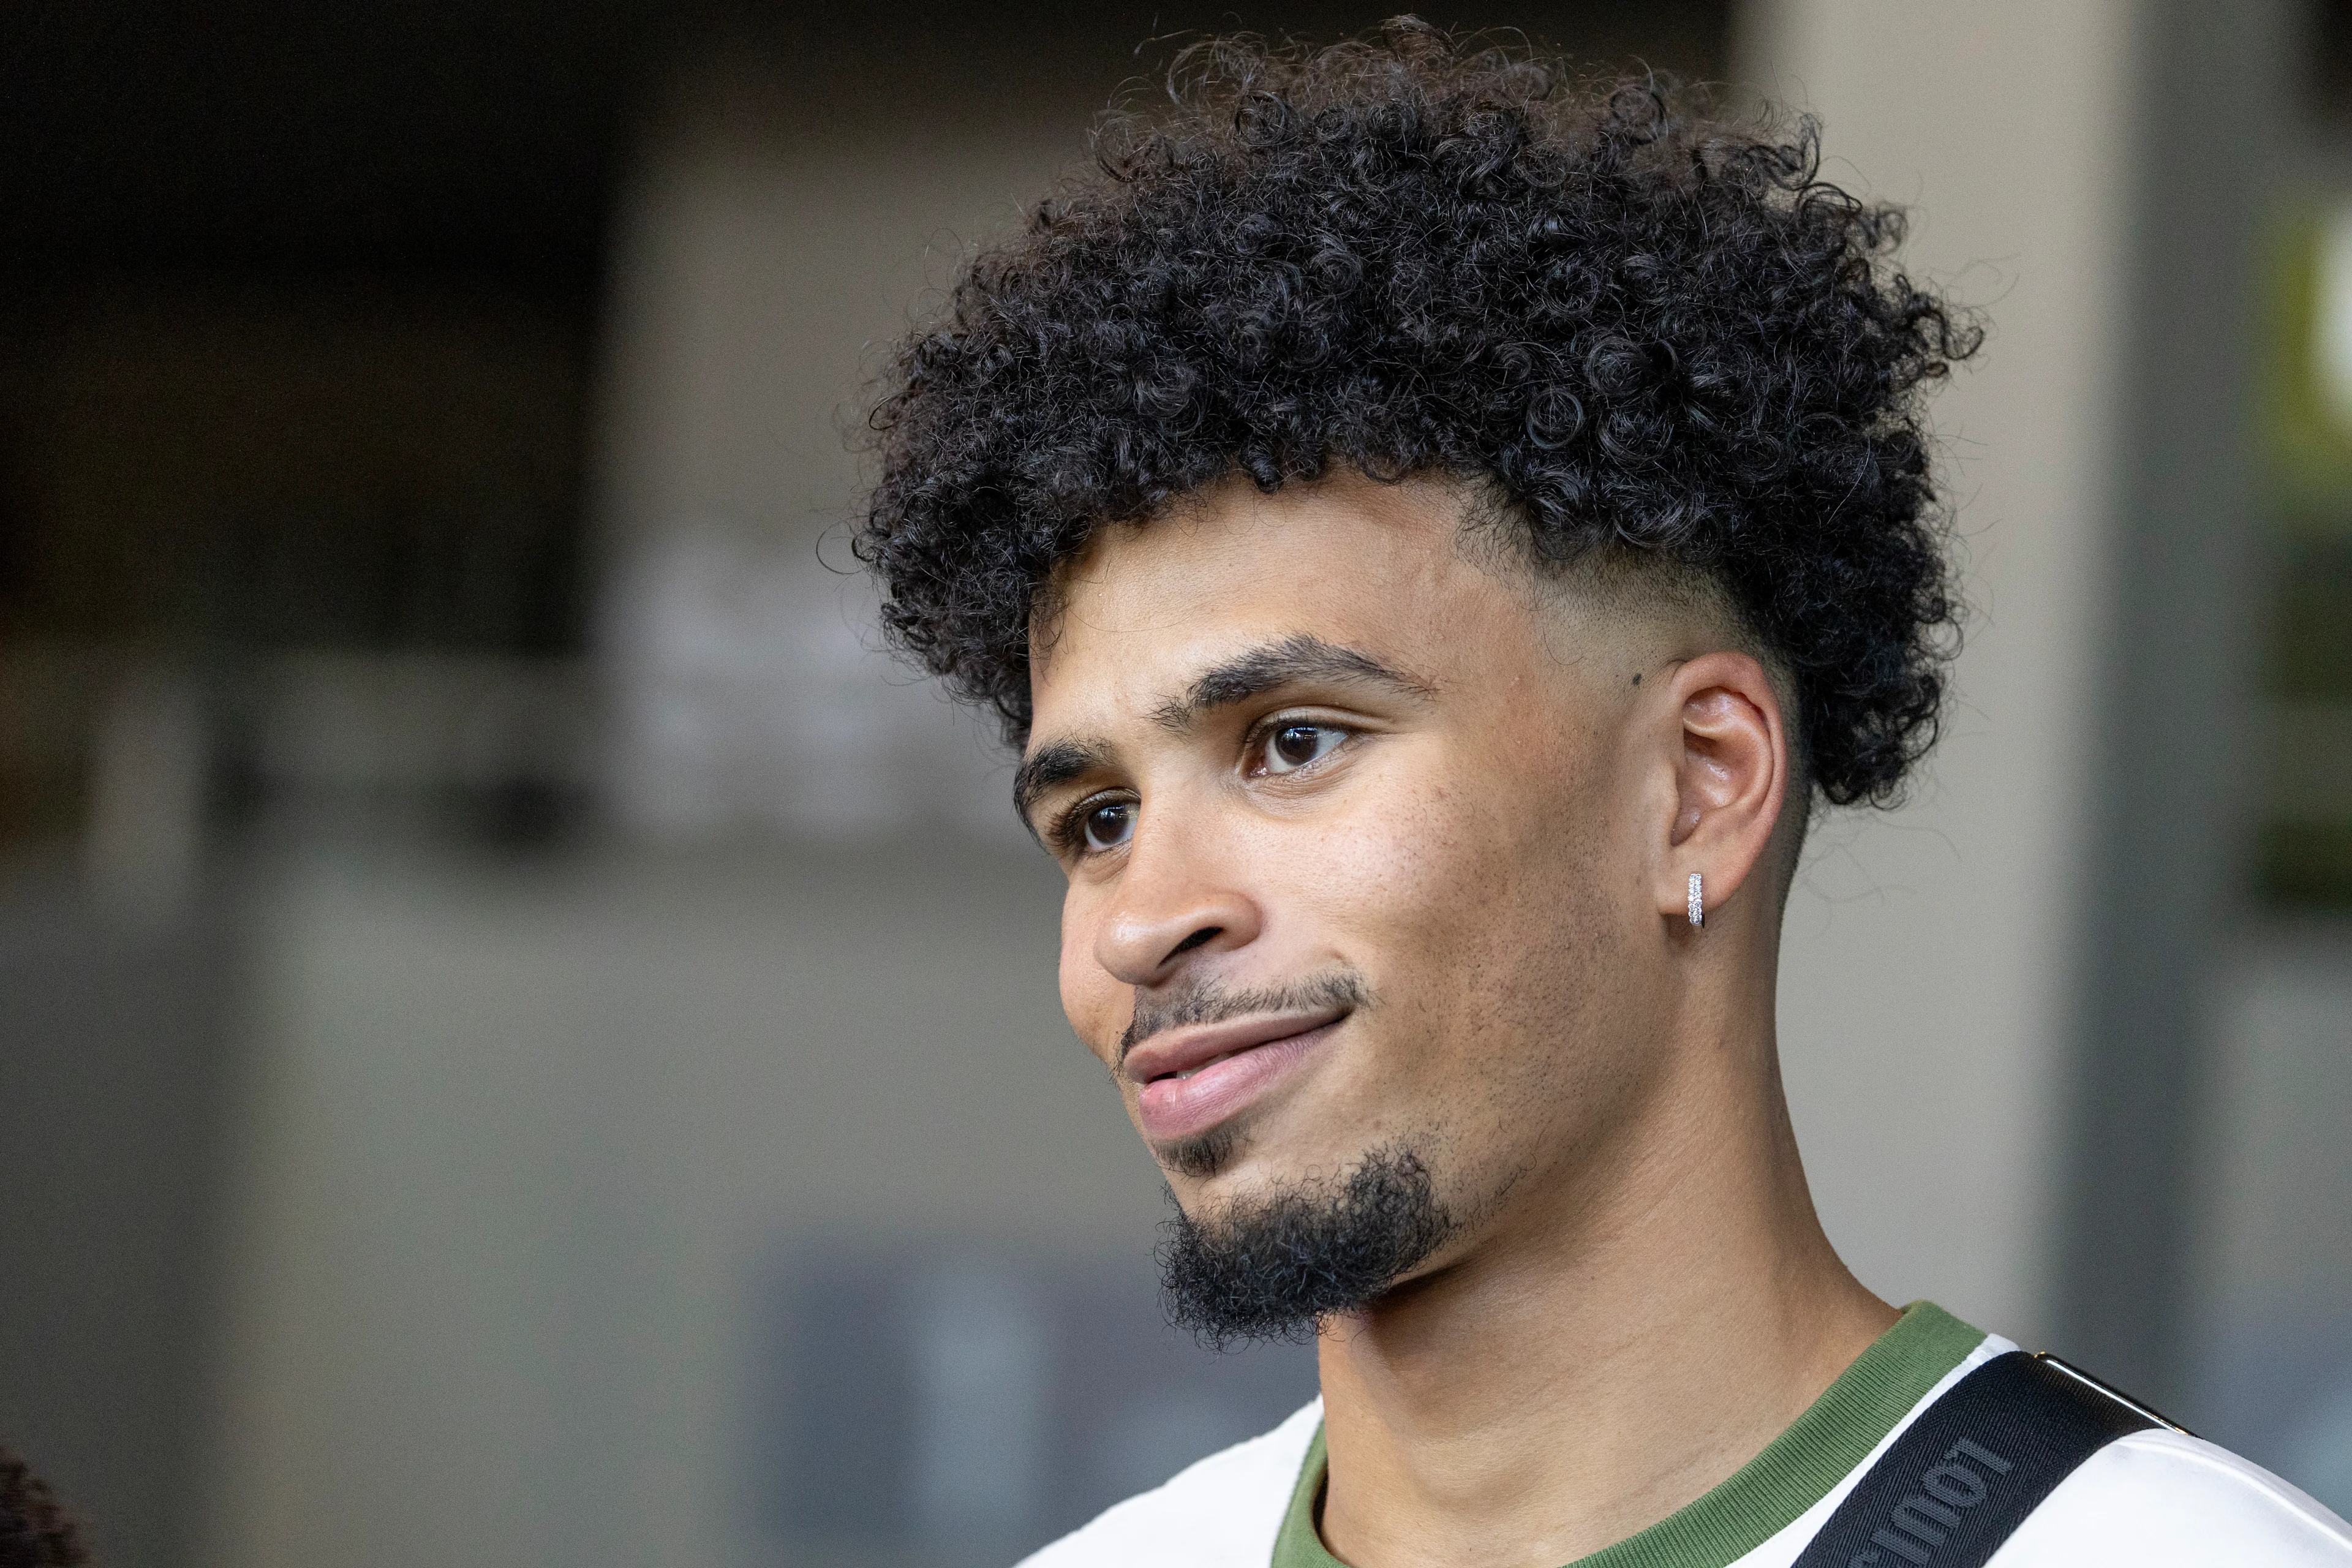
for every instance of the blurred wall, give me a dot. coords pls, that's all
(119, 1044)
(1931, 952)
(533, 1146)
(761, 266)
(2268, 1298)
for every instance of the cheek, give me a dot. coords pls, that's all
(1421, 870)
(1095, 1003)
(1457, 890)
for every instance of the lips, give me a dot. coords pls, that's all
(1196, 1076)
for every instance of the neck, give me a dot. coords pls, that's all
(1596, 1364)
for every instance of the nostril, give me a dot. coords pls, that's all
(1195, 939)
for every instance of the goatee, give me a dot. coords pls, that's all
(1274, 1269)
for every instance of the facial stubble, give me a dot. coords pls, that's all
(1276, 1268)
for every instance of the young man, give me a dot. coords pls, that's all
(1433, 533)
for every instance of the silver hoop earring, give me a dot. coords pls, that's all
(1698, 903)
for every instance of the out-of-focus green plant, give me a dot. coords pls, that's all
(2306, 372)
(2304, 852)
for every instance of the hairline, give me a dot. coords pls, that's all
(1494, 534)
(1619, 583)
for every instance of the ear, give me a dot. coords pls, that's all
(1731, 779)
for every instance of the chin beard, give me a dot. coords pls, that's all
(1273, 1269)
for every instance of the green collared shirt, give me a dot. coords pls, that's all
(1763, 1497)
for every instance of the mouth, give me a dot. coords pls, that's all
(1192, 1079)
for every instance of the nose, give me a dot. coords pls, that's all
(1171, 903)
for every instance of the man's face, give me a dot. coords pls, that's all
(1360, 829)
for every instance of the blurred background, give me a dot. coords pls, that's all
(524, 1039)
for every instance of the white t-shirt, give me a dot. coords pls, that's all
(2154, 1500)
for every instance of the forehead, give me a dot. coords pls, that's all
(1381, 567)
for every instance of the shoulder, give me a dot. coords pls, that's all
(1222, 1512)
(2162, 1497)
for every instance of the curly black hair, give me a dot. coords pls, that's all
(36, 1531)
(1648, 330)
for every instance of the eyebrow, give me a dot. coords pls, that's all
(1274, 665)
(1050, 766)
(1251, 673)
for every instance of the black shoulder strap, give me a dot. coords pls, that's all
(1962, 1477)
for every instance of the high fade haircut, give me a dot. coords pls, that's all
(1647, 333)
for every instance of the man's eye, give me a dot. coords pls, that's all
(1292, 746)
(1108, 825)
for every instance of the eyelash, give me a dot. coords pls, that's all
(1068, 836)
(1253, 746)
(1067, 833)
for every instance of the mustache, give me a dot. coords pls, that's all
(1206, 1002)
